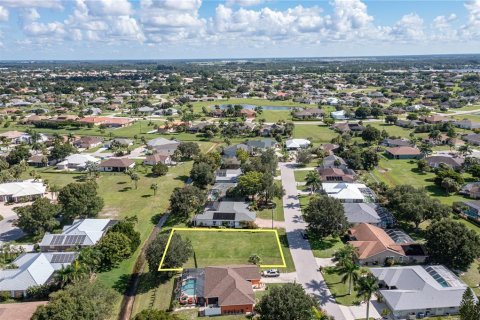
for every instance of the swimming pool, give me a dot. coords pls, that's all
(188, 287)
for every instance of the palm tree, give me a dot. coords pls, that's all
(366, 287)
(465, 150)
(135, 177)
(313, 180)
(154, 187)
(349, 270)
(64, 276)
(425, 149)
(347, 253)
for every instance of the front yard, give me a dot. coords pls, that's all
(339, 289)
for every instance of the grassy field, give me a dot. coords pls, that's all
(275, 115)
(392, 130)
(197, 106)
(317, 133)
(396, 172)
(223, 248)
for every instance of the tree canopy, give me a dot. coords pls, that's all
(186, 200)
(39, 217)
(286, 302)
(452, 244)
(179, 251)
(82, 300)
(325, 217)
(80, 200)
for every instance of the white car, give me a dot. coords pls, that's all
(271, 273)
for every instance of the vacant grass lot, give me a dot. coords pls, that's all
(392, 130)
(317, 133)
(222, 248)
(395, 172)
(325, 248)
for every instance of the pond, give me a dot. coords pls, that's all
(252, 107)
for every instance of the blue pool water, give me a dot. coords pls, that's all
(189, 287)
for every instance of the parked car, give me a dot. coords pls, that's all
(271, 273)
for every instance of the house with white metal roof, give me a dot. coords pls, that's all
(420, 290)
(225, 213)
(33, 269)
(76, 162)
(82, 233)
(348, 192)
(22, 190)
(295, 144)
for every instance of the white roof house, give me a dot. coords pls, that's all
(76, 161)
(338, 115)
(28, 189)
(346, 192)
(33, 269)
(83, 232)
(294, 144)
(431, 290)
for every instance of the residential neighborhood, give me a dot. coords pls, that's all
(295, 189)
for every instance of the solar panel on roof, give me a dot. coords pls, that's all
(57, 240)
(75, 239)
(224, 216)
(63, 258)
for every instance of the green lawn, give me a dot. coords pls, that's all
(300, 175)
(193, 315)
(338, 288)
(325, 248)
(317, 133)
(395, 172)
(253, 101)
(275, 115)
(222, 248)
(472, 277)
(392, 130)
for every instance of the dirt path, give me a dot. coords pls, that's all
(128, 300)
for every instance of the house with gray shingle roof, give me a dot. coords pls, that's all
(225, 213)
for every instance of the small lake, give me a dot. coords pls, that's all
(252, 107)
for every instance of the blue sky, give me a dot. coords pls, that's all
(166, 29)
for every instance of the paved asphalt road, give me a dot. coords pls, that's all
(305, 263)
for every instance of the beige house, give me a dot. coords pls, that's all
(376, 246)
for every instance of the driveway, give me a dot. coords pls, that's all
(305, 263)
(8, 232)
(283, 278)
(267, 223)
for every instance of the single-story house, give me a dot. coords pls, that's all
(467, 124)
(396, 142)
(116, 165)
(420, 291)
(38, 160)
(408, 123)
(225, 213)
(452, 162)
(329, 148)
(221, 290)
(164, 145)
(404, 153)
(333, 161)
(22, 191)
(375, 246)
(434, 119)
(348, 192)
(76, 162)
(88, 142)
(336, 174)
(261, 144)
(346, 127)
(295, 144)
(310, 113)
(473, 138)
(338, 115)
(227, 175)
(32, 269)
(123, 142)
(362, 213)
(231, 151)
(471, 190)
(158, 157)
(81, 233)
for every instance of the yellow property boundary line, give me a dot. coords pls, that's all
(283, 265)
